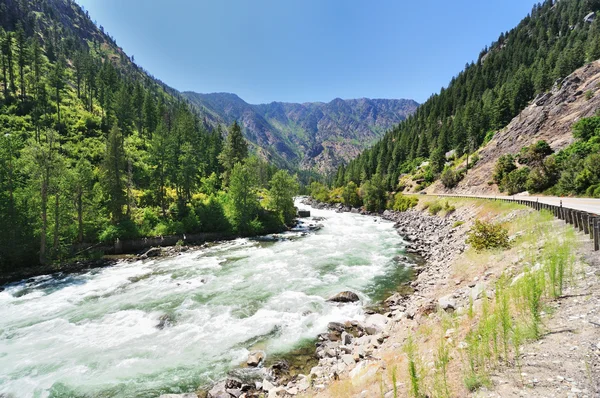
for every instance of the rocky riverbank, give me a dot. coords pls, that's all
(352, 349)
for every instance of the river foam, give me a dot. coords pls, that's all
(96, 333)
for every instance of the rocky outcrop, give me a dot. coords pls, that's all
(549, 117)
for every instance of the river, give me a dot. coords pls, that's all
(95, 334)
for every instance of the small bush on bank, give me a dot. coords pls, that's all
(450, 178)
(403, 202)
(435, 208)
(488, 235)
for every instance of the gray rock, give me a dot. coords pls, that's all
(477, 291)
(255, 358)
(344, 297)
(348, 359)
(346, 338)
(218, 391)
(447, 303)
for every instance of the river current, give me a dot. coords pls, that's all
(96, 334)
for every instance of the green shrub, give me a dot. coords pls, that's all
(516, 181)
(488, 235)
(374, 194)
(319, 191)
(504, 165)
(473, 160)
(435, 208)
(126, 229)
(457, 224)
(211, 215)
(350, 195)
(588, 95)
(450, 178)
(403, 202)
(488, 137)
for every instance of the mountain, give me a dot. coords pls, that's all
(525, 64)
(314, 135)
(549, 117)
(94, 149)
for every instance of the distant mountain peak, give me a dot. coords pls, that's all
(310, 135)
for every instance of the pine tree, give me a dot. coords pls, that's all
(234, 151)
(114, 174)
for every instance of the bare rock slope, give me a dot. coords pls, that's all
(549, 117)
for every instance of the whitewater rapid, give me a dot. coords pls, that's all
(95, 333)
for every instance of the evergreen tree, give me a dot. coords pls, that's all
(114, 174)
(281, 196)
(234, 151)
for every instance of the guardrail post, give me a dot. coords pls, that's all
(591, 223)
(597, 235)
(586, 223)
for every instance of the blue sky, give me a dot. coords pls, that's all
(306, 50)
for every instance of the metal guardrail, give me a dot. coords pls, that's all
(588, 223)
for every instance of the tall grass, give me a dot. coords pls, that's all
(410, 348)
(498, 325)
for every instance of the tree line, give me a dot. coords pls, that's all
(546, 46)
(92, 149)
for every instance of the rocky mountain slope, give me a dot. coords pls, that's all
(312, 135)
(550, 117)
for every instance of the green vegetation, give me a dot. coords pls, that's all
(371, 195)
(92, 149)
(488, 235)
(547, 45)
(574, 170)
(403, 202)
(414, 371)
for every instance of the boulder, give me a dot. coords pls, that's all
(447, 303)
(344, 297)
(164, 321)
(218, 391)
(255, 358)
(336, 326)
(376, 320)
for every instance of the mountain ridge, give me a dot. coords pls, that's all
(310, 135)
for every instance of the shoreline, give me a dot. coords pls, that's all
(351, 347)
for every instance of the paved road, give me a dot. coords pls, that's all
(583, 204)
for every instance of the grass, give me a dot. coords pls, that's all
(411, 350)
(497, 327)
(489, 333)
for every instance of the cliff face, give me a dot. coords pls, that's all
(549, 117)
(314, 135)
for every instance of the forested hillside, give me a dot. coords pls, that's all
(311, 136)
(94, 149)
(553, 41)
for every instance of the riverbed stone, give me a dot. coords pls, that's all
(255, 358)
(218, 391)
(346, 338)
(344, 297)
(377, 320)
